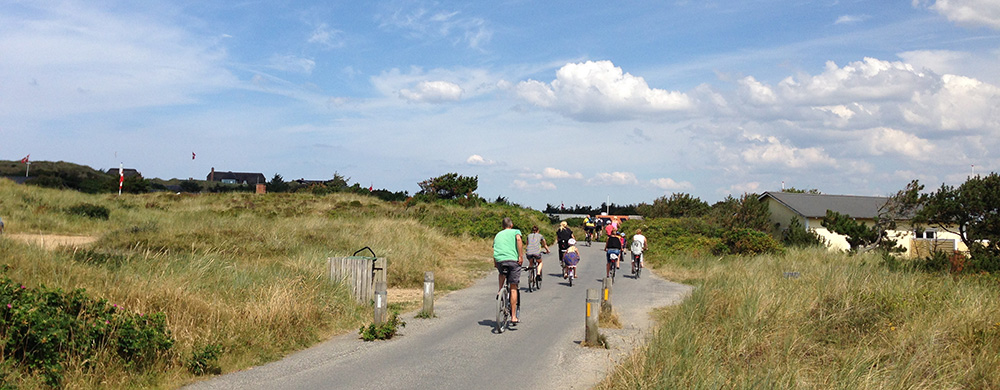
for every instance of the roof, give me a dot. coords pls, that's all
(238, 177)
(815, 205)
(127, 172)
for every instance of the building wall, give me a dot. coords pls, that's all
(904, 236)
(781, 215)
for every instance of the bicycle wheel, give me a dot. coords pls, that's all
(503, 307)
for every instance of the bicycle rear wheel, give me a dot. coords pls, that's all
(503, 307)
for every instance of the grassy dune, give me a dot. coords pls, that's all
(243, 271)
(844, 323)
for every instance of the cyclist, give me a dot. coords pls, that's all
(599, 225)
(536, 243)
(588, 226)
(508, 256)
(614, 247)
(639, 246)
(563, 235)
(571, 259)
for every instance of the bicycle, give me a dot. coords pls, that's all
(613, 267)
(636, 264)
(533, 282)
(503, 309)
(588, 238)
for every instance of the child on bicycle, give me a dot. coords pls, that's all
(570, 259)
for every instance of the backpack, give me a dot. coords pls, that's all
(636, 247)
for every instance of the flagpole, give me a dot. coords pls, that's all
(121, 177)
(27, 167)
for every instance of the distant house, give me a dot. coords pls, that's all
(810, 209)
(236, 177)
(127, 172)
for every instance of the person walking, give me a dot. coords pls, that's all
(508, 256)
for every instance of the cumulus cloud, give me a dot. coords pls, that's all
(432, 92)
(525, 186)
(613, 178)
(962, 103)
(756, 92)
(967, 12)
(476, 159)
(601, 91)
(771, 151)
(870, 79)
(553, 173)
(670, 184)
(745, 188)
(885, 140)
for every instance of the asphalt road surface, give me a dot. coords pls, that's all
(459, 350)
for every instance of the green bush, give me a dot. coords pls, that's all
(796, 235)
(90, 210)
(43, 329)
(748, 242)
(205, 360)
(385, 331)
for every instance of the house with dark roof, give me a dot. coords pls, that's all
(228, 177)
(810, 209)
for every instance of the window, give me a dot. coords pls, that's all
(926, 234)
(229, 181)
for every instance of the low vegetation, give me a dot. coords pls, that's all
(239, 279)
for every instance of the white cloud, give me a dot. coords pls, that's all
(961, 103)
(328, 37)
(525, 186)
(745, 188)
(849, 19)
(600, 91)
(967, 12)
(755, 92)
(422, 23)
(886, 140)
(553, 173)
(290, 63)
(870, 79)
(613, 178)
(70, 57)
(771, 151)
(433, 92)
(670, 184)
(939, 61)
(476, 159)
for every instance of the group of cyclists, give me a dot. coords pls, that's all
(508, 247)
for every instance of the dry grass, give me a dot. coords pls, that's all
(845, 323)
(243, 271)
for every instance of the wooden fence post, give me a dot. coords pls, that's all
(591, 336)
(380, 304)
(428, 294)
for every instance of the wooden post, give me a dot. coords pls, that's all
(606, 296)
(428, 294)
(380, 304)
(593, 297)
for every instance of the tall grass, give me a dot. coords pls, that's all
(244, 271)
(844, 322)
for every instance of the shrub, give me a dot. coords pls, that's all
(90, 210)
(42, 329)
(384, 331)
(796, 235)
(749, 242)
(205, 360)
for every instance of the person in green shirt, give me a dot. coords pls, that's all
(508, 255)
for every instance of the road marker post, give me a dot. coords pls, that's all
(606, 296)
(380, 303)
(428, 294)
(591, 336)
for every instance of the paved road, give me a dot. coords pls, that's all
(458, 349)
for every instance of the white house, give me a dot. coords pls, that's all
(810, 209)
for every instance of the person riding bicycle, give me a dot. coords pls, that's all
(588, 226)
(508, 256)
(571, 258)
(614, 248)
(536, 243)
(639, 246)
(563, 235)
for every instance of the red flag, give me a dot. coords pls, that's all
(369, 188)
(25, 159)
(192, 155)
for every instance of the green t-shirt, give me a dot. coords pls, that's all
(505, 245)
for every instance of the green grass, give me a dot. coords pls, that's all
(241, 271)
(845, 323)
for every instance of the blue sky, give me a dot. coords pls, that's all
(546, 102)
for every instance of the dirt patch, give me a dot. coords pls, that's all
(52, 241)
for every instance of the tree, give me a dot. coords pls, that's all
(277, 184)
(450, 186)
(971, 211)
(676, 206)
(190, 186)
(746, 212)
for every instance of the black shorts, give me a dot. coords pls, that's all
(533, 257)
(511, 269)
